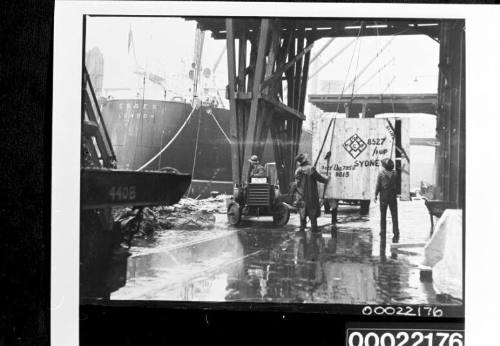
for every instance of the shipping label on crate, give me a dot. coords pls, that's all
(356, 151)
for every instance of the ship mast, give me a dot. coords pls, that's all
(217, 62)
(196, 65)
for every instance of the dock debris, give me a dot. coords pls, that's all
(189, 213)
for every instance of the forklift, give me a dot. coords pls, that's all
(267, 93)
(259, 197)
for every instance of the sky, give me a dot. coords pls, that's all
(405, 57)
(166, 46)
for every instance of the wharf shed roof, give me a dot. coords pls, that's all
(316, 28)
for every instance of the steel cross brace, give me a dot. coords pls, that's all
(255, 92)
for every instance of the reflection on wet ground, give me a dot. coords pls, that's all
(348, 264)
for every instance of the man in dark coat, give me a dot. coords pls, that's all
(306, 192)
(255, 170)
(387, 187)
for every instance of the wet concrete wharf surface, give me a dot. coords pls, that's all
(259, 262)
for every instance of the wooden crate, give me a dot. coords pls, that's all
(357, 148)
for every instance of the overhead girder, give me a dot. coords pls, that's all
(316, 28)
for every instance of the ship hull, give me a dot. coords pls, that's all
(140, 129)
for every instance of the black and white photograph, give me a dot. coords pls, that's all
(282, 160)
(277, 158)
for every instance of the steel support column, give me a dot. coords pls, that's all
(450, 156)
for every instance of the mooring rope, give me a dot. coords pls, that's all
(170, 142)
(220, 127)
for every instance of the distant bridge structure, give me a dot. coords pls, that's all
(369, 105)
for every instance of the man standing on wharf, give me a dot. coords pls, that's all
(306, 192)
(387, 186)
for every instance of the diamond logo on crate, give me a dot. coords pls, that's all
(354, 146)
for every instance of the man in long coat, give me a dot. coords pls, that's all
(387, 187)
(306, 192)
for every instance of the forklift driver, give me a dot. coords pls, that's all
(256, 170)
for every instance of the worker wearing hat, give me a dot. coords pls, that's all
(387, 187)
(256, 170)
(306, 192)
